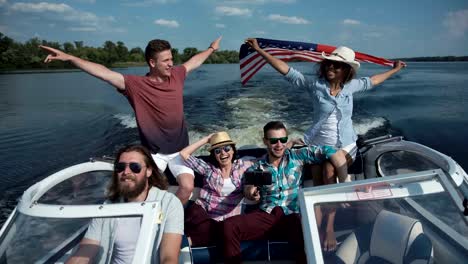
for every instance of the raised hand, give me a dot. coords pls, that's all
(55, 54)
(252, 42)
(215, 44)
(399, 65)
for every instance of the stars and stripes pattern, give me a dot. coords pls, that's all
(251, 61)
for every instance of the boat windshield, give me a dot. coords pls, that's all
(54, 240)
(398, 162)
(84, 188)
(393, 221)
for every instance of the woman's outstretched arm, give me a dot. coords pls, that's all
(381, 77)
(279, 65)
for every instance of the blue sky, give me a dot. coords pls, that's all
(393, 28)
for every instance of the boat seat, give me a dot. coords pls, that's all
(393, 238)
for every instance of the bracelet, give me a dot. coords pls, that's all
(211, 48)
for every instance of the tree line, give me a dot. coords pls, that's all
(16, 56)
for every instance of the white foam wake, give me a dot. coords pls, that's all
(127, 120)
(364, 125)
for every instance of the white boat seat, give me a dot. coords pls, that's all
(393, 238)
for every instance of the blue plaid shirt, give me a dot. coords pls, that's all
(287, 178)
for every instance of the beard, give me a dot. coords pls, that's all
(129, 192)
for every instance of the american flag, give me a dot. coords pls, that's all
(251, 62)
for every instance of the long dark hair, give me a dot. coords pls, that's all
(212, 159)
(157, 178)
(348, 71)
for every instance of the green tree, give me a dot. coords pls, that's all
(122, 51)
(68, 47)
(188, 53)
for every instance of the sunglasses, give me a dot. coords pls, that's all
(226, 149)
(336, 64)
(135, 167)
(275, 140)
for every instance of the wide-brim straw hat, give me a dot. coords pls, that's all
(220, 139)
(343, 54)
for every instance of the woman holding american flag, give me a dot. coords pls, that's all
(332, 103)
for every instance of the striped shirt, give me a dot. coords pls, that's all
(218, 206)
(287, 178)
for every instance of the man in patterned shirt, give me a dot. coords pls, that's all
(279, 209)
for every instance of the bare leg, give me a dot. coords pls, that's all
(186, 185)
(340, 166)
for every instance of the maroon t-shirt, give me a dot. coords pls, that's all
(159, 110)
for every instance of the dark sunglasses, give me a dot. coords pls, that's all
(226, 149)
(135, 167)
(275, 140)
(336, 64)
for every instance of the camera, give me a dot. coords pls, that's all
(258, 177)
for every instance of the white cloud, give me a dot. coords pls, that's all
(41, 7)
(351, 22)
(258, 2)
(167, 23)
(65, 15)
(83, 29)
(288, 20)
(233, 11)
(2, 2)
(285, 1)
(259, 32)
(220, 25)
(148, 3)
(87, 1)
(457, 22)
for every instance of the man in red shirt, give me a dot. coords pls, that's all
(157, 99)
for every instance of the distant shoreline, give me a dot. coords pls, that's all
(435, 59)
(133, 64)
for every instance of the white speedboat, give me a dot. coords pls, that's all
(407, 204)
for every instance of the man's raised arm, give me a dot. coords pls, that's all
(198, 59)
(114, 78)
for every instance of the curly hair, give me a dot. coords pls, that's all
(348, 71)
(157, 178)
(155, 46)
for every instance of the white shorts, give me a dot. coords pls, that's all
(351, 149)
(174, 161)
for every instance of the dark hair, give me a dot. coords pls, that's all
(348, 71)
(157, 178)
(212, 158)
(273, 125)
(155, 46)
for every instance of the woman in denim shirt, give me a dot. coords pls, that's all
(332, 101)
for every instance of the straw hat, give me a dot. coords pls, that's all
(343, 54)
(220, 139)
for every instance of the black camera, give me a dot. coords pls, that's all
(258, 177)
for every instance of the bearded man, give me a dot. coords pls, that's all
(136, 178)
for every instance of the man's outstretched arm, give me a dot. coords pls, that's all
(198, 59)
(114, 78)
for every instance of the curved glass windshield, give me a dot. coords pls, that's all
(401, 162)
(54, 240)
(85, 188)
(396, 230)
